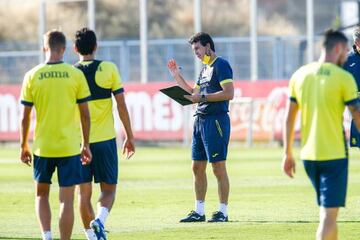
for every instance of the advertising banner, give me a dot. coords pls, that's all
(258, 109)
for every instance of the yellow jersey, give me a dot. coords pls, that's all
(104, 80)
(55, 89)
(321, 91)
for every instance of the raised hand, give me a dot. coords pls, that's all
(173, 67)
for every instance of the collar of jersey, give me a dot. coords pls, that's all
(52, 63)
(86, 62)
(211, 63)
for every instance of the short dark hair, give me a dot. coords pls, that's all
(203, 38)
(85, 41)
(333, 37)
(55, 40)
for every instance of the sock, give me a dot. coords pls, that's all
(200, 207)
(47, 235)
(90, 235)
(102, 214)
(223, 208)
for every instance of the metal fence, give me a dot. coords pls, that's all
(278, 58)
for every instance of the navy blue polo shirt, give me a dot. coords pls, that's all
(211, 77)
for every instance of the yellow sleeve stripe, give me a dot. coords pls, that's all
(196, 86)
(226, 81)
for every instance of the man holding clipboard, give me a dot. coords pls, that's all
(212, 91)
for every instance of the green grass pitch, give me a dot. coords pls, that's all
(155, 191)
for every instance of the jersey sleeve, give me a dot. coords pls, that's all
(224, 72)
(83, 93)
(26, 95)
(350, 90)
(116, 86)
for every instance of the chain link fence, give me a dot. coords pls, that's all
(278, 58)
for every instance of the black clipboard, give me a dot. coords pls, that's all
(177, 93)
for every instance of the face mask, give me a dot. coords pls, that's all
(206, 59)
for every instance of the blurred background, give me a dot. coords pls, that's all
(265, 41)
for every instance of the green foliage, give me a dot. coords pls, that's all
(155, 191)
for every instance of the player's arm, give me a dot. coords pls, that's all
(25, 155)
(175, 72)
(129, 145)
(288, 163)
(224, 95)
(85, 126)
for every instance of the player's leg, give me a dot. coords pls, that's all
(199, 164)
(200, 185)
(69, 175)
(105, 173)
(107, 197)
(327, 229)
(333, 187)
(106, 200)
(86, 209)
(66, 216)
(219, 169)
(42, 208)
(84, 198)
(43, 170)
(329, 179)
(199, 174)
(217, 135)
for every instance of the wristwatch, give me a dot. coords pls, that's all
(203, 98)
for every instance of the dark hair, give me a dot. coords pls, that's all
(55, 40)
(203, 38)
(85, 41)
(333, 37)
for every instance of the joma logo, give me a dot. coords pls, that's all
(53, 74)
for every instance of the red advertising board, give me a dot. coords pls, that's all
(156, 117)
(10, 112)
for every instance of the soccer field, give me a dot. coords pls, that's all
(155, 191)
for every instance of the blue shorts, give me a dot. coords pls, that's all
(104, 164)
(210, 138)
(68, 170)
(329, 179)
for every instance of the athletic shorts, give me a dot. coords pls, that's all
(210, 139)
(329, 179)
(104, 164)
(354, 135)
(68, 170)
